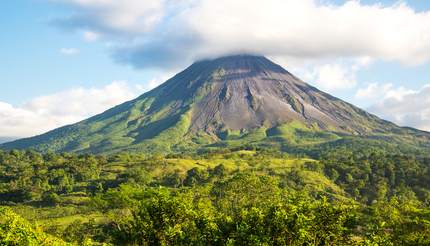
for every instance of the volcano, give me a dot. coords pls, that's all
(238, 100)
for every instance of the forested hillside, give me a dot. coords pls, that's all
(224, 197)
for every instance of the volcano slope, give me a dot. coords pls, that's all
(226, 102)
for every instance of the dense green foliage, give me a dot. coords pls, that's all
(14, 230)
(375, 176)
(226, 197)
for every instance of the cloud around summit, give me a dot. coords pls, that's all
(167, 33)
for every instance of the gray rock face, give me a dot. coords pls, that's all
(246, 92)
(235, 93)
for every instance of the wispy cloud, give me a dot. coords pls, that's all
(69, 51)
(91, 36)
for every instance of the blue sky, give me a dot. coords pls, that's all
(72, 49)
(33, 64)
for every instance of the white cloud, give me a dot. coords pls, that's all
(330, 75)
(91, 36)
(403, 106)
(376, 91)
(335, 77)
(135, 16)
(45, 113)
(166, 33)
(372, 91)
(69, 51)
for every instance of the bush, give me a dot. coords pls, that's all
(14, 230)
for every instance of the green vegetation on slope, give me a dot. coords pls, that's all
(227, 102)
(14, 230)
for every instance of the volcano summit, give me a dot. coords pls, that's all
(228, 101)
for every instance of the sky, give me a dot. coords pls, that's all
(66, 60)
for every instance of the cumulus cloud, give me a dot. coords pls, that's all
(115, 16)
(166, 33)
(398, 104)
(69, 51)
(376, 91)
(334, 76)
(45, 113)
(329, 75)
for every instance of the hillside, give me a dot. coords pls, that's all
(229, 101)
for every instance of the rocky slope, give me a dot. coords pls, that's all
(229, 98)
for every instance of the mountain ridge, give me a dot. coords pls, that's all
(227, 98)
